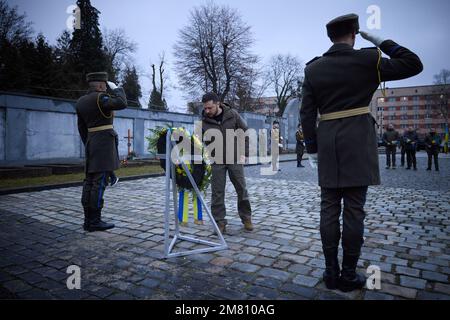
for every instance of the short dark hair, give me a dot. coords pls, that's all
(276, 122)
(210, 96)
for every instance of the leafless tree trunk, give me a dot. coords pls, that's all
(212, 52)
(442, 94)
(118, 49)
(284, 73)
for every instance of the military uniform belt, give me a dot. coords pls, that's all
(344, 114)
(101, 128)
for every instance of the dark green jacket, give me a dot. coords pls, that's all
(391, 138)
(93, 110)
(429, 145)
(410, 139)
(231, 120)
(343, 79)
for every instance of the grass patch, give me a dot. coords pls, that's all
(74, 177)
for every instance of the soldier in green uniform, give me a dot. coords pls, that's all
(390, 140)
(432, 145)
(95, 125)
(339, 86)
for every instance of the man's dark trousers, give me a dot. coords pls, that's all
(411, 158)
(402, 156)
(391, 155)
(218, 182)
(353, 219)
(93, 190)
(431, 154)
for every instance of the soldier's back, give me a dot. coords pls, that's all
(343, 78)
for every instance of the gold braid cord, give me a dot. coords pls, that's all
(383, 86)
(100, 109)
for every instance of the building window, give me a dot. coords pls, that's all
(392, 99)
(416, 108)
(404, 98)
(404, 108)
(391, 108)
(380, 100)
(416, 98)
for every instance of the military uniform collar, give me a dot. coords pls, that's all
(338, 47)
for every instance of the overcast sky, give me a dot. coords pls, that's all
(279, 26)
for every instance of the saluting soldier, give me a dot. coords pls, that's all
(432, 145)
(390, 139)
(339, 86)
(300, 146)
(95, 125)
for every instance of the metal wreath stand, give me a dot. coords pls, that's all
(168, 243)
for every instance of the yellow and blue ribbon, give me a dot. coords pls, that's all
(183, 208)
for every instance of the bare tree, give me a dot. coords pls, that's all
(248, 89)
(13, 26)
(441, 95)
(284, 73)
(118, 49)
(213, 50)
(159, 85)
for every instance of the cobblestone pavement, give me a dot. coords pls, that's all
(407, 235)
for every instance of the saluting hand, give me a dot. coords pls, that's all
(111, 85)
(376, 40)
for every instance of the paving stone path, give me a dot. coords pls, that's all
(407, 235)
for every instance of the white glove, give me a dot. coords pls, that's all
(376, 40)
(312, 158)
(111, 85)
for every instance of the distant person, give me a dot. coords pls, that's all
(390, 139)
(276, 136)
(432, 145)
(300, 146)
(402, 149)
(411, 139)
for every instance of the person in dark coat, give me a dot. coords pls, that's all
(432, 145)
(95, 125)
(390, 140)
(402, 149)
(410, 138)
(339, 86)
(300, 147)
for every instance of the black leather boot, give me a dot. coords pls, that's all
(96, 223)
(350, 280)
(86, 219)
(331, 274)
